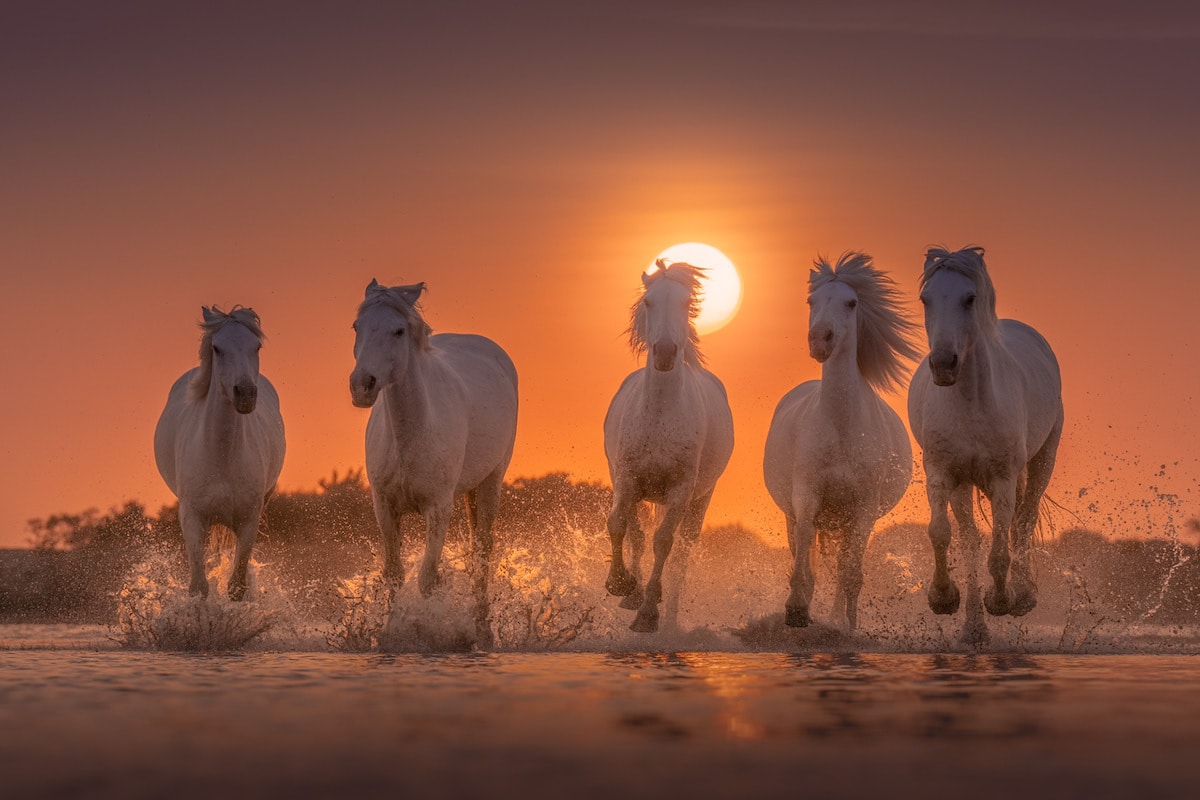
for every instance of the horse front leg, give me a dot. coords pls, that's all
(393, 562)
(194, 532)
(1000, 597)
(1038, 471)
(850, 563)
(646, 620)
(437, 522)
(944, 597)
(247, 533)
(801, 532)
(620, 582)
(975, 632)
(635, 538)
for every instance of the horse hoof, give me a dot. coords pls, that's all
(999, 603)
(633, 601)
(621, 585)
(796, 617)
(975, 634)
(237, 594)
(483, 637)
(944, 601)
(1023, 604)
(426, 583)
(645, 622)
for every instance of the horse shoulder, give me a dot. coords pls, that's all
(166, 431)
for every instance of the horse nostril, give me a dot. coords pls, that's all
(369, 383)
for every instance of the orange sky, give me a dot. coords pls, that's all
(527, 161)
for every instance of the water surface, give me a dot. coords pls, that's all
(81, 718)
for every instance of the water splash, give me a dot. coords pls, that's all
(154, 611)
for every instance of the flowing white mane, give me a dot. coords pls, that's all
(967, 262)
(214, 320)
(685, 275)
(404, 300)
(885, 331)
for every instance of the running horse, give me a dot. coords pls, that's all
(219, 442)
(668, 436)
(443, 423)
(986, 408)
(837, 457)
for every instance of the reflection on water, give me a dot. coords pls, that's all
(132, 724)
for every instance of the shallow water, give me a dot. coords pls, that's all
(82, 717)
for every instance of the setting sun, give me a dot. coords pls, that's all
(722, 283)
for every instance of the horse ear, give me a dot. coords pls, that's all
(206, 314)
(412, 294)
(374, 284)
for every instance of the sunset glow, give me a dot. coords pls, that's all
(722, 283)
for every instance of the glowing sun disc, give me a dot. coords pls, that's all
(721, 284)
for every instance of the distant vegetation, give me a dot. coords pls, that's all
(311, 539)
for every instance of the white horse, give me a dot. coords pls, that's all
(445, 427)
(837, 456)
(219, 442)
(668, 436)
(986, 408)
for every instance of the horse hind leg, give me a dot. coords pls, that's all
(850, 568)
(1038, 472)
(975, 631)
(482, 505)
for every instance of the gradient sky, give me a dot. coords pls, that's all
(528, 159)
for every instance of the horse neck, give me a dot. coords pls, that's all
(977, 382)
(222, 422)
(664, 388)
(407, 400)
(843, 387)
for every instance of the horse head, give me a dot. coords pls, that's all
(960, 305)
(663, 316)
(386, 331)
(229, 353)
(832, 319)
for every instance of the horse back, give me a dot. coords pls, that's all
(487, 380)
(1040, 379)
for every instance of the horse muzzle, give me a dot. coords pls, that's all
(820, 345)
(245, 397)
(664, 356)
(944, 366)
(364, 388)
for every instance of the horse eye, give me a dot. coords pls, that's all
(851, 304)
(646, 303)
(969, 301)
(399, 332)
(216, 350)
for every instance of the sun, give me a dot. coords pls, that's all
(722, 285)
